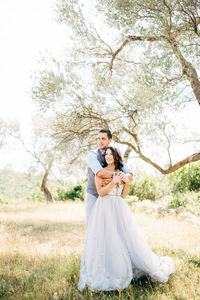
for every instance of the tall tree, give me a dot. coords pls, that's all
(6, 130)
(44, 150)
(2, 132)
(136, 83)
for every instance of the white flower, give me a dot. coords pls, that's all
(55, 296)
(3, 283)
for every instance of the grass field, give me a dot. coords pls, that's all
(41, 246)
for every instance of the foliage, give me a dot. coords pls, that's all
(7, 129)
(17, 186)
(144, 190)
(20, 187)
(37, 196)
(136, 79)
(2, 132)
(73, 193)
(149, 187)
(189, 200)
(2, 201)
(178, 201)
(131, 200)
(186, 179)
(193, 202)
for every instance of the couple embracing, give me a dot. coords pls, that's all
(115, 251)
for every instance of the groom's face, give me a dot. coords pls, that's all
(103, 140)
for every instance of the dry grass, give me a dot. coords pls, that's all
(41, 246)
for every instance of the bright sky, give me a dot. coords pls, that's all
(28, 30)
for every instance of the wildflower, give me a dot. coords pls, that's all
(55, 296)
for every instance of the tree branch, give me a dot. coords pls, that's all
(187, 67)
(127, 153)
(192, 158)
(133, 38)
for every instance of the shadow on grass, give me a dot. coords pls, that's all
(35, 277)
(141, 288)
(34, 230)
(41, 277)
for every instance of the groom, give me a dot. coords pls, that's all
(95, 162)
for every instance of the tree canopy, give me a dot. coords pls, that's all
(136, 76)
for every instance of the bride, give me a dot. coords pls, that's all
(115, 250)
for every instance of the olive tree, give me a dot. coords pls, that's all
(137, 81)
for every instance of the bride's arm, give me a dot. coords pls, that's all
(103, 173)
(103, 190)
(125, 190)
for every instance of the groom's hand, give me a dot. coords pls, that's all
(106, 181)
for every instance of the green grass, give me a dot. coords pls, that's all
(41, 247)
(41, 278)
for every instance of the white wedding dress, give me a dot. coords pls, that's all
(115, 250)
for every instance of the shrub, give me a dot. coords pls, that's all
(3, 201)
(193, 203)
(131, 200)
(73, 193)
(60, 194)
(149, 187)
(186, 179)
(144, 190)
(177, 201)
(37, 196)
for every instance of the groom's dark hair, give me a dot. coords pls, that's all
(109, 134)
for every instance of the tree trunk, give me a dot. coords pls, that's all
(44, 189)
(188, 69)
(127, 153)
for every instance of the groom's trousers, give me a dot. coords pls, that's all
(89, 203)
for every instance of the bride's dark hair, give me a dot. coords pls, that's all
(118, 161)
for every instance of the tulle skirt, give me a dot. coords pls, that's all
(115, 250)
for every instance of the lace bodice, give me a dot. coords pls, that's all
(116, 190)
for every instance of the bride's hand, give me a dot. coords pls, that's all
(125, 178)
(117, 177)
